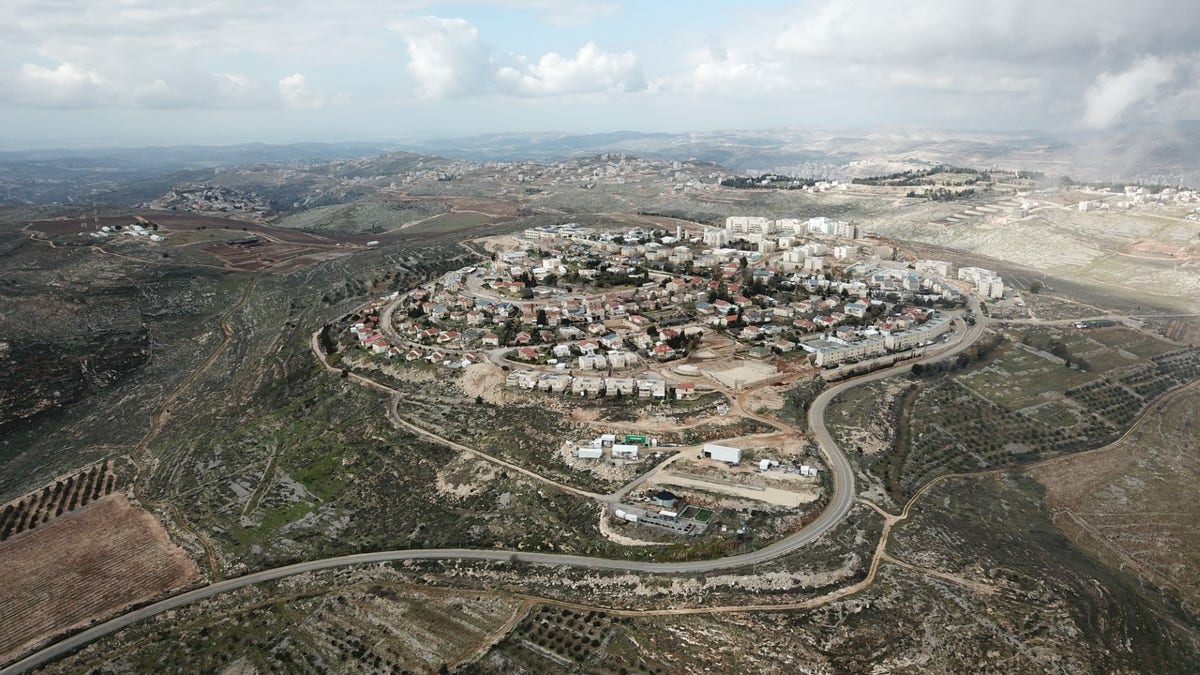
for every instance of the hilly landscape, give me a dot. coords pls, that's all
(187, 403)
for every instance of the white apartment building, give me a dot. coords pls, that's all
(987, 283)
(790, 225)
(831, 351)
(938, 267)
(845, 230)
(715, 237)
(745, 225)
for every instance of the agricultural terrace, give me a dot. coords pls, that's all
(1042, 392)
(64, 496)
(562, 638)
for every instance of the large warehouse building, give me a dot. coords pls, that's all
(722, 453)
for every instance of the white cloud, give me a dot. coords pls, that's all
(1006, 30)
(1028, 62)
(1042, 55)
(566, 12)
(295, 92)
(160, 53)
(1113, 94)
(446, 57)
(64, 86)
(235, 86)
(591, 70)
(448, 60)
(70, 86)
(742, 73)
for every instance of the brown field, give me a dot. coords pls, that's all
(84, 565)
(1187, 332)
(1135, 504)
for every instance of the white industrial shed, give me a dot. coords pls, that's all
(722, 453)
(623, 450)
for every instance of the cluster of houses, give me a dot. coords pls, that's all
(373, 340)
(1134, 196)
(801, 241)
(210, 199)
(642, 385)
(136, 229)
(655, 316)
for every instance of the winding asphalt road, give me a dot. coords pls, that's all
(844, 494)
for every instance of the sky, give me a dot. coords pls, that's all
(153, 72)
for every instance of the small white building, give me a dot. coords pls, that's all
(588, 453)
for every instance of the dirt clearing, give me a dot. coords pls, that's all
(763, 400)
(465, 477)
(487, 380)
(500, 243)
(738, 373)
(84, 565)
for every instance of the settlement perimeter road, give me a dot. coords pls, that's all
(844, 494)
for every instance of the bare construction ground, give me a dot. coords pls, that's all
(737, 373)
(1135, 504)
(487, 381)
(85, 564)
(773, 487)
(1069, 244)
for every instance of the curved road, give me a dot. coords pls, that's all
(839, 505)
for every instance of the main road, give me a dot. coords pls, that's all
(839, 506)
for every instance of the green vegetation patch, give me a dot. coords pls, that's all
(449, 222)
(1020, 377)
(554, 639)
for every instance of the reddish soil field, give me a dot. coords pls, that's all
(84, 565)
